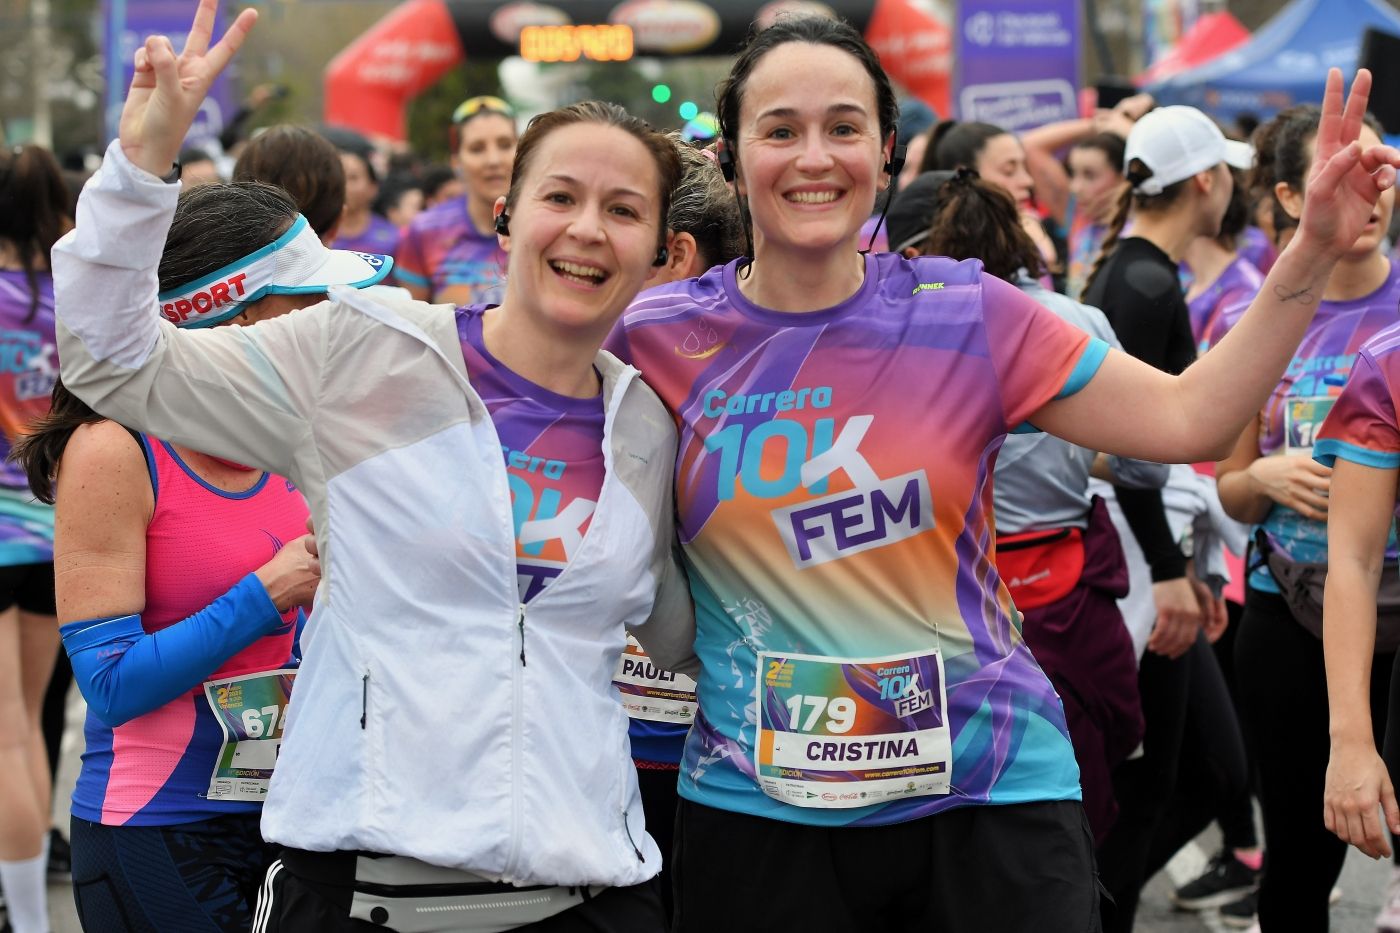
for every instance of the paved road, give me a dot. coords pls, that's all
(1363, 881)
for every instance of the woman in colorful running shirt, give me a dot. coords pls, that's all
(362, 229)
(840, 415)
(1097, 183)
(1360, 441)
(174, 653)
(1272, 481)
(493, 510)
(33, 214)
(449, 253)
(1222, 277)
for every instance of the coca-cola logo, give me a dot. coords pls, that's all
(507, 22)
(670, 26)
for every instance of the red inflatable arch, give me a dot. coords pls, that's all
(369, 84)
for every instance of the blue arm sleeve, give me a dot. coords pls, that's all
(125, 672)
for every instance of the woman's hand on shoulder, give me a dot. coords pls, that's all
(167, 89)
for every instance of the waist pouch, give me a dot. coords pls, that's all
(410, 896)
(1301, 584)
(1041, 567)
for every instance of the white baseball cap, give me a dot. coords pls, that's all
(296, 263)
(1177, 142)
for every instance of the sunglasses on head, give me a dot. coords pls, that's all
(474, 105)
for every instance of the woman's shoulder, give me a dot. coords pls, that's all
(105, 456)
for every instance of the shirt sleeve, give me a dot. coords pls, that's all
(1361, 427)
(617, 343)
(410, 267)
(1038, 357)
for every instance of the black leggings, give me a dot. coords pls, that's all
(1283, 709)
(1192, 742)
(1213, 772)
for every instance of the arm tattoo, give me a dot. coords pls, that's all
(1286, 294)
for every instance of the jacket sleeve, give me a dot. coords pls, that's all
(242, 393)
(668, 634)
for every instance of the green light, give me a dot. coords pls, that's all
(661, 93)
(689, 110)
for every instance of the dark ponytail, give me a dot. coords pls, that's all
(977, 219)
(33, 210)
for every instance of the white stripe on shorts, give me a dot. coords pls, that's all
(264, 909)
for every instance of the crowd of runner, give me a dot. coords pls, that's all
(831, 525)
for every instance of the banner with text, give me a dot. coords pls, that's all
(1017, 61)
(127, 23)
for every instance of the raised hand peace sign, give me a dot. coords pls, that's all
(1346, 180)
(168, 89)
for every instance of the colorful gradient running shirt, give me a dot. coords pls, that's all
(1236, 287)
(380, 237)
(442, 251)
(553, 447)
(1085, 240)
(28, 368)
(155, 769)
(833, 486)
(1299, 405)
(1362, 426)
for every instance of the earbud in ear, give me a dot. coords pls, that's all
(503, 223)
(726, 162)
(662, 255)
(896, 163)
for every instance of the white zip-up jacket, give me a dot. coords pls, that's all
(434, 716)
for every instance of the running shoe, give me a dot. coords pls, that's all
(1388, 920)
(60, 857)
(1241, 914)
(1225, 879)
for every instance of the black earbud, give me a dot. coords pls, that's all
(662, 255)
(896, 163)
(726, 162)
(503, 223)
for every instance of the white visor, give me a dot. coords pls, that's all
(296, 263)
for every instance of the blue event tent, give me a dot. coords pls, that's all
(1284, 63)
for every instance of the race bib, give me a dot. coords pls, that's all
(252, 711)
(648, 692)
(834, 732)
(1301, 419)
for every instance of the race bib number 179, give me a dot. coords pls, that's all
(837, 732)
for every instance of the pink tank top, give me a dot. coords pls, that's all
(155, 769)
(202, 540)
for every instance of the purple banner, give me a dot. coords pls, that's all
(127, 23)
(1017, 61)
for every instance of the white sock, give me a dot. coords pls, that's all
(26, 892)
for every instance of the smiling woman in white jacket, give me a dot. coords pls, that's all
(452, 725)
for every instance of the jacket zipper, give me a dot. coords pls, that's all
(635, 851)
(364, 701)
(516, 715)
